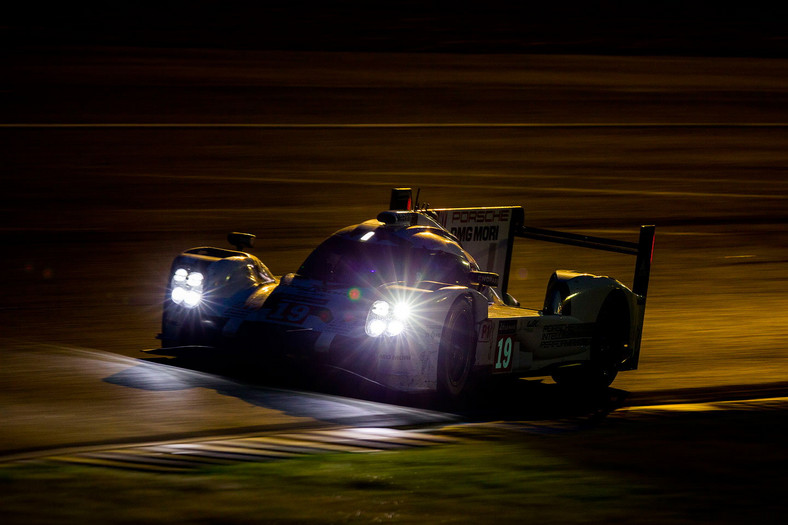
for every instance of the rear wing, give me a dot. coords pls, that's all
(643, 250)
(488, 234)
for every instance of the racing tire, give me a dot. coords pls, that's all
(608, 347)
(456, 352)
(607, 350)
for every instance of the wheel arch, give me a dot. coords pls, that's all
(584, 296)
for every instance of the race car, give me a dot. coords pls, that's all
(416, 300)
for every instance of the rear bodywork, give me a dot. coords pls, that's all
(378, 299)
(523, 341)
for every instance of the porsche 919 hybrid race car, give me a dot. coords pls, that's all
(416, 300)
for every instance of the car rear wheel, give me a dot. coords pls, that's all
(455, 357)
(608, 348)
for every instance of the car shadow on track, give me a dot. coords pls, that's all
(511, 400)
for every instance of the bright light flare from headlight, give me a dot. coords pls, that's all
(187, 288)
(401, 311)
(195, 279)
(192, 298)
(388, 319)
(376, 327)
(395, 327)
(380, 308)
(178, 294)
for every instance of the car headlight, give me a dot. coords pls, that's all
(387, 319)
(187, 288)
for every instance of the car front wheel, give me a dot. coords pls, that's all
(455, 356)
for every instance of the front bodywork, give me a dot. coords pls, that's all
(317, 324)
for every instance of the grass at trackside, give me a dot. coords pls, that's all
(708, 468)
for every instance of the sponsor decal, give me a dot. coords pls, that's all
(531, 325)
(559, 336)
(508, 326)
(485, 331)
(485, 278)
(476, 233)
(479, 216)
(395, 357)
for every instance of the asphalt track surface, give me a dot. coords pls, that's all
(114, 161)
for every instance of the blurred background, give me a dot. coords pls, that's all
(132, 133)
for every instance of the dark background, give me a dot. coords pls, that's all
(629, 28)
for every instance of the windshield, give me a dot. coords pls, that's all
(344, 261)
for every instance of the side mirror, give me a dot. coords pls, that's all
(241, 240)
